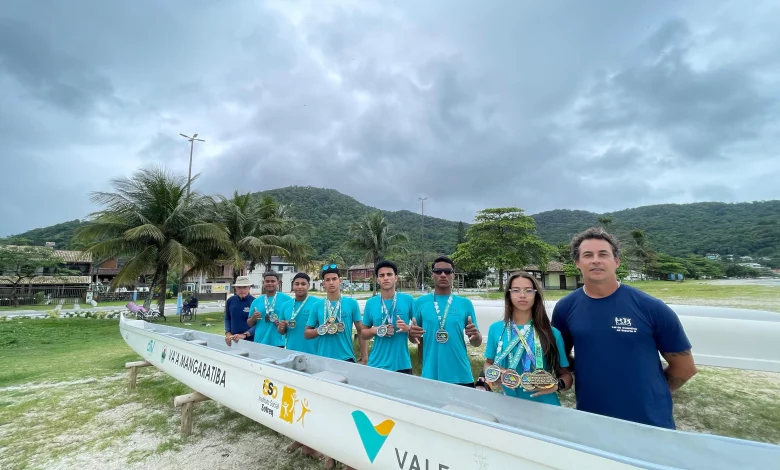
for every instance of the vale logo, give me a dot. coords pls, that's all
(373, 437)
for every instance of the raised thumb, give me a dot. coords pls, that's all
(414, 322)
(469, 320)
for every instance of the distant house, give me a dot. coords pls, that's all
(75, 261)
(553, 277)
(360, 272)
(223, 280)
(105, 271)
(47, 284)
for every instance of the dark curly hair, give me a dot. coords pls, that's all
(593, 233)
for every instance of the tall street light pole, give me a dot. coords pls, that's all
(192, 146)
(179, 298)
(422, 241)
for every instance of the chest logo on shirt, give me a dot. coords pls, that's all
(623, 325)
(246, 309)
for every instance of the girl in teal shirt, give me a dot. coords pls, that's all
(524, 341)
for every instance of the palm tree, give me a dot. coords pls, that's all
(258, 229)
(372, 236)
(278, 224)
(152, 222)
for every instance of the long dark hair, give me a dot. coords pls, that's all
(538, 316)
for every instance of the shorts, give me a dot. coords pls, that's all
(405, 371)
(350, 360)
(468, 384)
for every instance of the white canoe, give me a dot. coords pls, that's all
(371, 418)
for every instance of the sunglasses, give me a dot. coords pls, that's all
(447, 271)
(325, 267)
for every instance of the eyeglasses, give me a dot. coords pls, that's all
(325, 267)
(447, 271)
(526, 291)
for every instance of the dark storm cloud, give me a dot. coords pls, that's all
(596, 105)
(47, 74)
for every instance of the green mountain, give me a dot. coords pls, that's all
(677, 229)
(331, 212)
(750, 228)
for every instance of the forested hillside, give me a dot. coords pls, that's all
(331, 212)
(676, 229)
(679, 229)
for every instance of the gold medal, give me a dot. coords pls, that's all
(537, 380)
(332, 329)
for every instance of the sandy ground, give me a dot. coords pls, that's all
(116, 438)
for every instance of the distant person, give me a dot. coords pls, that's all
(381, 319)
(237, 312)
(332, 325)
(441, 318)
(265, 311)
(617, 332)
(524, 342)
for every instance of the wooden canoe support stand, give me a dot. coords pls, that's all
(186, 402)
(133, 369)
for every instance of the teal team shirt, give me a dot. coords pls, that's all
(389, 352)
(446, 362)
(265, 331)
(339, 345)
(495, 334)
(295, 338)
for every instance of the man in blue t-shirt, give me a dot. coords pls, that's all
(333, 323)
(441, 318)
(294, 315)
(265, 311)
(381, 316)
(617, 332)
(237, 312)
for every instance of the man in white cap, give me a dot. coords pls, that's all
(237, 312)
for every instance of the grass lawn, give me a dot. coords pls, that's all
(38, 308)
(64, 404)
(714, 293)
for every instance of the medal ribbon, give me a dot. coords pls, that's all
(273, 305)
(329, 311)
(385, 314)
(513, 360)
(296, 312)
(442, 320)
(534, 353)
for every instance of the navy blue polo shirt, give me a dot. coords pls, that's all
(617, 340)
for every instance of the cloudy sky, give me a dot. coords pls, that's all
(597, 105)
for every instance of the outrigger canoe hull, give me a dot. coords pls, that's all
(371, 418)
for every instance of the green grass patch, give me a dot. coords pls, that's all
(37, 308)
(714, 293)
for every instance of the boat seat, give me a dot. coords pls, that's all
(201, 342)
(332, 376)
(461, 410)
